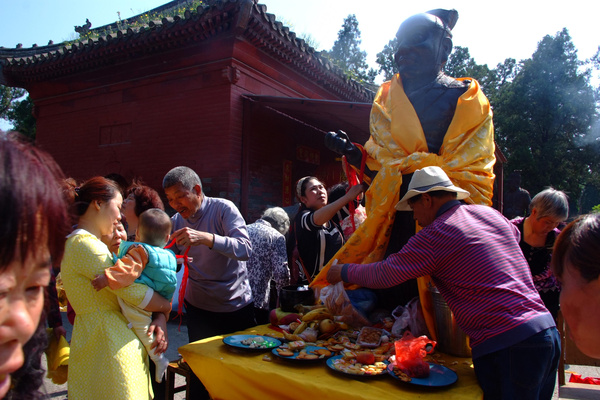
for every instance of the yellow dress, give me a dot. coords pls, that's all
(107, 360)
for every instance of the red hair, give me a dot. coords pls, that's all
(96, 188)
(145, 198)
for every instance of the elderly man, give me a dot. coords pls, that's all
(473, 256)
(218, 297)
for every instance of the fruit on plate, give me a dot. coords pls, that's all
(365, 357)
(327, 325)
(303, 309)
(318, 314)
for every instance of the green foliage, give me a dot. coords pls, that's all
(8, 95)
(21, 115)
(346, 52)
(544, 116)
(596, 209)
(17, 110)
(461, 65)
(385, 59)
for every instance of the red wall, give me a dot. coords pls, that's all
(140, 118)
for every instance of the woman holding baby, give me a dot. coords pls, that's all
(107, 359)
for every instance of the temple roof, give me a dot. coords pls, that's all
(249, 20)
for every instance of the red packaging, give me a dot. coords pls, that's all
(410, 352)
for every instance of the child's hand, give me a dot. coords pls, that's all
(100, 282)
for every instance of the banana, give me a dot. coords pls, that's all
(303, 325)
(317, 315)
(303, 309)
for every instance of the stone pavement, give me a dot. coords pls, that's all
(179, 338)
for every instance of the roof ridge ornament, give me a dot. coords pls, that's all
(83, 29)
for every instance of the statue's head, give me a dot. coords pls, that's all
(425, 42)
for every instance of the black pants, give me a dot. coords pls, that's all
(203, 324)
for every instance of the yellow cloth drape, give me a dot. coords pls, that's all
(397, 147)
(57, 356)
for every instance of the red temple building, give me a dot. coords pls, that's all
(225, 89)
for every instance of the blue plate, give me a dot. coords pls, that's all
(308, 349)
(236, 341)
(331, 364)
(438, 376)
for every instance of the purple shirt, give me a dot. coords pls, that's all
(218, 280)
(473, 256)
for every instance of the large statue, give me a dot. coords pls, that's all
(420, 118)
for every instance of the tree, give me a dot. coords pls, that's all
(17, 110)
(460, 64)
(8, 95)
(21, 115)
(385, 59)
(346, 52)
(544, 117)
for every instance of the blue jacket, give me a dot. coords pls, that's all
(160, 273)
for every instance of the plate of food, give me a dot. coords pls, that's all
(252, 342)
(355, 369)
(439, 376)
(308, 353)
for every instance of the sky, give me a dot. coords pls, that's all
(492, 30)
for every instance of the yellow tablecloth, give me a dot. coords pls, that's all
(231, 373)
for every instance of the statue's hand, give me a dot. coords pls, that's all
(340, 143)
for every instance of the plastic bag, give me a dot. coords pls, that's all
(589, 380)
(346, 224)
(410, 318)
(337, 302)
(410, 352)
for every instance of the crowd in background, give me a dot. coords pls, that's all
(89, 221)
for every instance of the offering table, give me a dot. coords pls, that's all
(231, 373)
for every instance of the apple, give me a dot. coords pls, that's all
(278, 317)
(288, 319)
(327, 325)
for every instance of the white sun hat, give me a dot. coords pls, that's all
(426, 180)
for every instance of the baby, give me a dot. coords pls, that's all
(144, 261)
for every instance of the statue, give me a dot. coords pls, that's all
(516, 199)
(420, 118)
(83, 29)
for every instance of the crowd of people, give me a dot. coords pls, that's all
(428, 178)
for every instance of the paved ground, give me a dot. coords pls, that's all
(178, 338)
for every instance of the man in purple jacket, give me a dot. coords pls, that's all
(473, 256)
